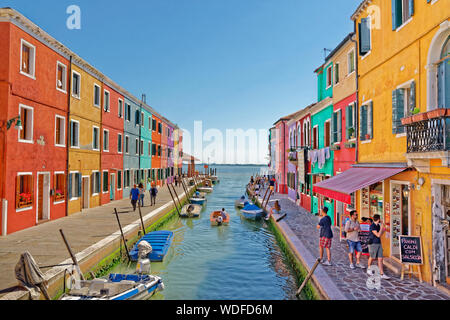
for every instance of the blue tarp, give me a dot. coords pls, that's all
(252, 207)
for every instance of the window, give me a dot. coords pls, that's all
(336, 73)
(60, 128)
(26, 117)
(127, 144)
(154, 125)
(119, 143)
(27, 59)
(336, 125)
(95, 183)
(137, 146)
(403, 104)
(350, 121)
(96, 95)
(105, 182)
(153, 149)
(61, 77)
(351, 62)
(366, 121)
(24, 191)
(327, 134)
(365, 44)
(120, 107)
(60, 187)
(402, 11)
(119, 180)
(127, 112)
(150, 123)
(96, 138)
(76, 84)
(137, 119)
(106, 100)
(142, 119)
(74, 185)
(329, 76)
(150, 149)
(126, 178)
(315, 138)
(142, 148)
(159, 151)
(443, 76)
(74, 134)
(159, 128)
(106, 140)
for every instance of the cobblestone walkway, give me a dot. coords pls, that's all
(352, 283)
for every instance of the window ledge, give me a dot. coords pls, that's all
(350, 74)
(74, 199)
(59, 202)
(24, 209)
(404, 24)
(76, 97)
(26, 141)
(400, 135)
(28, 75)
(366, 141)
(366, 55)
(60, 146)
(61, 90)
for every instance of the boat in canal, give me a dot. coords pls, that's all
(191, 211)
(240, 203)
(116, 287)
(198, 198)
(205, 189)
(252, 212)
(216, 218)
(215, 180)
(160, 242)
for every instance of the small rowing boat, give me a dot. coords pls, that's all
(191, 211)
(205, 189)
(217, 219)
(252, 212)
(160, 242)
(241, 203)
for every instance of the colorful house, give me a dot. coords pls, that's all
(112, 143)
(156, 149)
(34, 75)
(170, 155)
(146, 138)
(281, 163)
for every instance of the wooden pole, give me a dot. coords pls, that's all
(176, 194)
(308, 277)
(186, 191)
(173, 199)
(74, 259)
(265, 195)
(142, 220)
(267, 202)
(123, 236)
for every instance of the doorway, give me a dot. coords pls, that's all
(400, 214)
(112, 187)
(43, 197)
(85, 193)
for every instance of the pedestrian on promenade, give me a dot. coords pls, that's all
(326, 236)
(272, 184)
(176, 181)
(375, 249)
(134, 196)
(153, 193)
(141, 194)
(352, 229)
(276, 209)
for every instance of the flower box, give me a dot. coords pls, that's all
(437, 113)
(24, 204)
(350, 145)
(60, 197)
(419, 117)
(407, 120)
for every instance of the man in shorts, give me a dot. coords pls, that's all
(326, 236)
(352, 229)
(375, 249)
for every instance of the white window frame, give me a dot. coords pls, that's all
(32, 58)
(142, 119)
(98, 137)
(348, 62)
(136, 144)
(329, 78)
(127, 145)
(334, 74)
(120, 108)
(119, 174)
(31, 141)
(74, 172)
(78, 135)
(94, 182)
(66, 181)
(371, 45)
(99, 96)
(103, 181)
(103, 144)
(315, 140)
(76, 96)
(120, 144)
(106, 93)
(19, 174)
(141, 147)
(64, 89)
(329, 133)
(63, 127)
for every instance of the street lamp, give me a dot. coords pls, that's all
(17, 121)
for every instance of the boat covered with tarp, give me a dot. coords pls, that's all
(252, 212)
(191, 211)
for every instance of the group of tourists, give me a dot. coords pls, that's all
(352, 229)
(137, 195)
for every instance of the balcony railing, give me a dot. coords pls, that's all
(431, 133)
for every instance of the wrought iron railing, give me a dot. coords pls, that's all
(429, 135)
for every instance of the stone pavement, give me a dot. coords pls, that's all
(82, 230)
(350, 283)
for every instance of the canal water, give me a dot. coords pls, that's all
(241, 261)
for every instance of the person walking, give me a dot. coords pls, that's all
(376, 230)
(134, 196)
(326, 236)
(352, 229)
(153, 194)
(141, 195)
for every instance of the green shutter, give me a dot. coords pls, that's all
(370, 120)
(363, 122)
(412, 98)
(70, 186)
(333, 126)
(398, 110)
(339, 131)
(365, 35)
(78, 175)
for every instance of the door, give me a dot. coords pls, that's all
(85, 193)
(446, 207)
(112, 187)
(43, 196)
(400, 216)
(40, 197)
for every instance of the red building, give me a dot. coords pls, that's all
(112, 142)
(156, 149)
(33, 86)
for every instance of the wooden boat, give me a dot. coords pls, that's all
(205, 189)
(160, 242)
(240, 203)
(252, 212)
(215, 180)
(116, 287)
(214, 219)
(191, 211)
(198, 198)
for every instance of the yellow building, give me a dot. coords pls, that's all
(84, 138)
(403, 47)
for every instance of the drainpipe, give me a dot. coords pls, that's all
(357, 94)
(69, 92)
(4, 130)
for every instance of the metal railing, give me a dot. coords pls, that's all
(428, 135)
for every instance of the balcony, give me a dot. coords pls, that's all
(428, 137)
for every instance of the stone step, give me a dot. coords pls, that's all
(393, 265)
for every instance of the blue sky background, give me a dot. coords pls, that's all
(231, 63)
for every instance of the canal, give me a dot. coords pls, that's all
(241, 261)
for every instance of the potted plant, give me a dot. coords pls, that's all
(351, 133)
(367, 136)
(59, 195)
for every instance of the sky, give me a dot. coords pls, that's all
(232, 64)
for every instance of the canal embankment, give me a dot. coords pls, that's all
(93, 235)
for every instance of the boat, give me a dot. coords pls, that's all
(116, 287)
(216, 222)
(241, 203)
(215, 180)
(198, 198)
(252, 212)
(191, 211)
(160, 242)
(205, 189)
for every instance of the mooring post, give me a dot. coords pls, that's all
(123, 236)
(308, 277)
(74, 259)
(176, 194)
(142, 220)
(173, 199)
(186, 191)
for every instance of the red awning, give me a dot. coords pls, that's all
(341, 186)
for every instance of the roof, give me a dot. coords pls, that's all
(360, 8)
(340, 45)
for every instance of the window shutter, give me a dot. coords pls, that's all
(398, 110)
(92, 183)
(70, 186)
(370, 120)
(394, 14)
(333, 128)
(339, 132)
(365, 35)
(79, 184)
(411, 8)
(347, 121)
(363, 122)
(412, 98)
